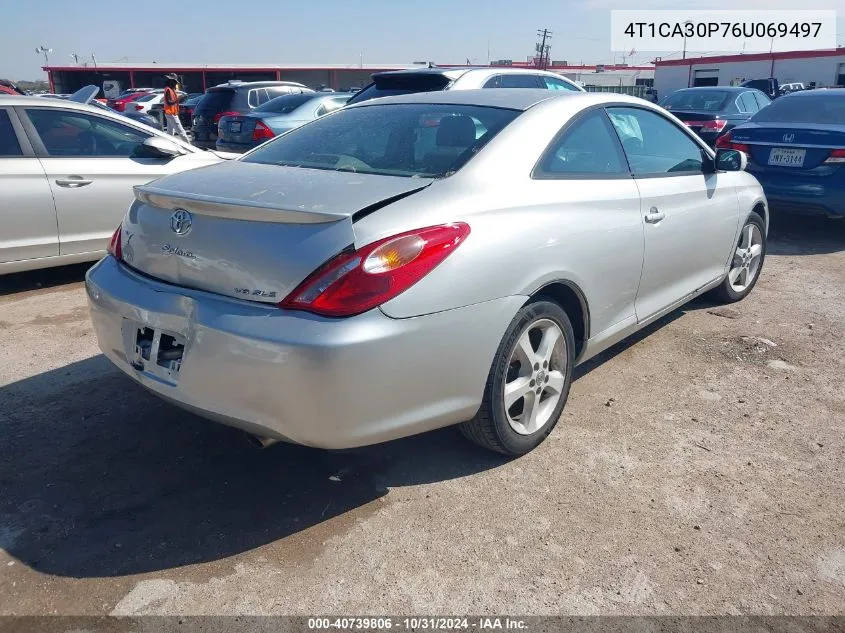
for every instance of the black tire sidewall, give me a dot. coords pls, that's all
(512, 441)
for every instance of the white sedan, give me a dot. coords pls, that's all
(67, 175)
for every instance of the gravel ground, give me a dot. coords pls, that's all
(697, 469)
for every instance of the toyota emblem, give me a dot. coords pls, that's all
(181, 222)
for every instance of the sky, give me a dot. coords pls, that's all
(325, 31)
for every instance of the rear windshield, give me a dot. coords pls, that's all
(405, 83)
(701, 100)
(285, 104)
(148, 97)
(412, 140)
(214, 101)
(804, 108)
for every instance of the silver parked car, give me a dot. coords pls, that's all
(66, 175)
(396, 82)
(420, 261)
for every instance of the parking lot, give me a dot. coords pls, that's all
(697, 469)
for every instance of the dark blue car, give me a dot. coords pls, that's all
(796, 149)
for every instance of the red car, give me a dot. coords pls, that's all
(120, 103)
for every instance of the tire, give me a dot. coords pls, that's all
(520, 428)
(730, 292)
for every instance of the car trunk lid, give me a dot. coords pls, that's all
(255, 231)
(237, 129)
(792, 146)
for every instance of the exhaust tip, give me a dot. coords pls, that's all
(259, 441)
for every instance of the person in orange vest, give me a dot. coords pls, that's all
(171, 108)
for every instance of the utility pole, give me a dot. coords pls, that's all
(543, 48)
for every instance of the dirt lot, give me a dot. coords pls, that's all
(696, 470)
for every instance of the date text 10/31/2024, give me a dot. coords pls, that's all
(418, 623)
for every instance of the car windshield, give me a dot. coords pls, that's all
(411, 140)
(148, 97)
(701, 100)
(804, 108)
(401, 83)
(285, 104)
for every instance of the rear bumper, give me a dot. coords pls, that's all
(205, 136)
(811, 195)
(239, 148)
(330, 383)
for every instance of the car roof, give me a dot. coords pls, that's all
(512, 98)
(455, 72)
(716, 89)
(834, 92)
(256, 84)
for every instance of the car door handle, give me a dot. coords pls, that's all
(654, 216)
(73, 181)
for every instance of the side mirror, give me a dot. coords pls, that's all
(157, 147)
(730, 160)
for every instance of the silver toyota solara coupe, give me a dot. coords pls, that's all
(422, 260)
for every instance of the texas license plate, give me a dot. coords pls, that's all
(787, 157)
(235, 127)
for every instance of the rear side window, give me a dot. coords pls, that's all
(405, 83)
(553, 83)
(214, 101)
(588, 147)
(257, 97)
(804, 108)
(285, 104)
(9, 145)
(747, 103)
(515, 81)
(762, 100)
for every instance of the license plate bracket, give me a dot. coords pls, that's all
(155, 352)
(787, 157)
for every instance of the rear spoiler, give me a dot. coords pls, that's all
(232, 209)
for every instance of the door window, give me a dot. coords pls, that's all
(588, 147)
(654, 145)
(75, 134)
(9, 145)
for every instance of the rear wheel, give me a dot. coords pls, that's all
(528, 382)
(747, 262)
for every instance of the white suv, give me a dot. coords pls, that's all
(432, 79)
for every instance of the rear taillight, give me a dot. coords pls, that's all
(115, 248)
(216, 118)
(836, 156)
(708, 126)
(725, 142)
(357, 281)
(261, 132)
(713, 126)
